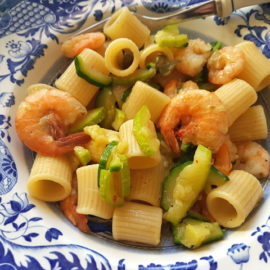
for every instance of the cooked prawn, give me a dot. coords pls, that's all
(202, 116)
(253, 158)
(165, 79)
(170, 89)
(225, 64)
(42, 119)
(75, 45)
(193, 57)
(189, 85)
(225, 156)
(68, 207)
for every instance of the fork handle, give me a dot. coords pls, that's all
(226, 7)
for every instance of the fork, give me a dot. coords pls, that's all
(221, 8)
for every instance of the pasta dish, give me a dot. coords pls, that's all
(150, 130)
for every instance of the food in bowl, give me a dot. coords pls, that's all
(150, 129)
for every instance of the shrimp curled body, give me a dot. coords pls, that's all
(193, 57)
(77, 44)
(42, 119)
(202, 117)
(225, 64)
(253, 158)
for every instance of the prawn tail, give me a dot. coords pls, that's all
(68, 207)
(72, 140)
(170, 89)
(223, 159)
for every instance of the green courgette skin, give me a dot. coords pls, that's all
(105, 157)
(215, 179)
(207, 231)
(168, 185)
(113, 167)
(106, 99)
(93, 117)
(92, 76)
(140, 75)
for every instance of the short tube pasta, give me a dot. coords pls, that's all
(232, 202)
(136, 158)
(137, 222)
(79, 88)
(251, 125)
(237, 96)
(152, 51)
(146, 185)
(50, 178)
(257, 67)
(123, 24)
(89, 199)
(112, 55)
(143, 94)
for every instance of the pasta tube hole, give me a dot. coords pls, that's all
(47, 190)
(222, 210)
(122, 57)
(125, 59)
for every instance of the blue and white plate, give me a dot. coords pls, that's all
(35, 235)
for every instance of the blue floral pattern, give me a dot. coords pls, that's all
(15, 224)
(239, 253)
(8, 170)
(163, 6)
(250, 29)
(263, 237)
(27, 27)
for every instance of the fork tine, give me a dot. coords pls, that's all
(190, 12)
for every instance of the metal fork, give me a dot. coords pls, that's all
(222, 8)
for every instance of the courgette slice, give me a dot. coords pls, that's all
(108, 192)
(92, 76)
(145, 137)
(139, 75)
(113, 175)
(169, 36)
(192, 233)
(216, 45)
(82, 154)
(93, 117)
(215, 179)
(169, 184)
(119, 119)
(104, 159)
(189, 184)
(106, 99)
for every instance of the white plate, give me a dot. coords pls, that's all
(35, 235)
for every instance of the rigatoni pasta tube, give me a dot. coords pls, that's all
(257, 66)
(153, 50)
(136, 158)
(79, 88)
(89, 199)
(232, 202)
(124, 24)
(137, 222)
(251, 125)
(143, 94)
(113, 53)
(237, 96)
(50, 178)
(146, 185)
